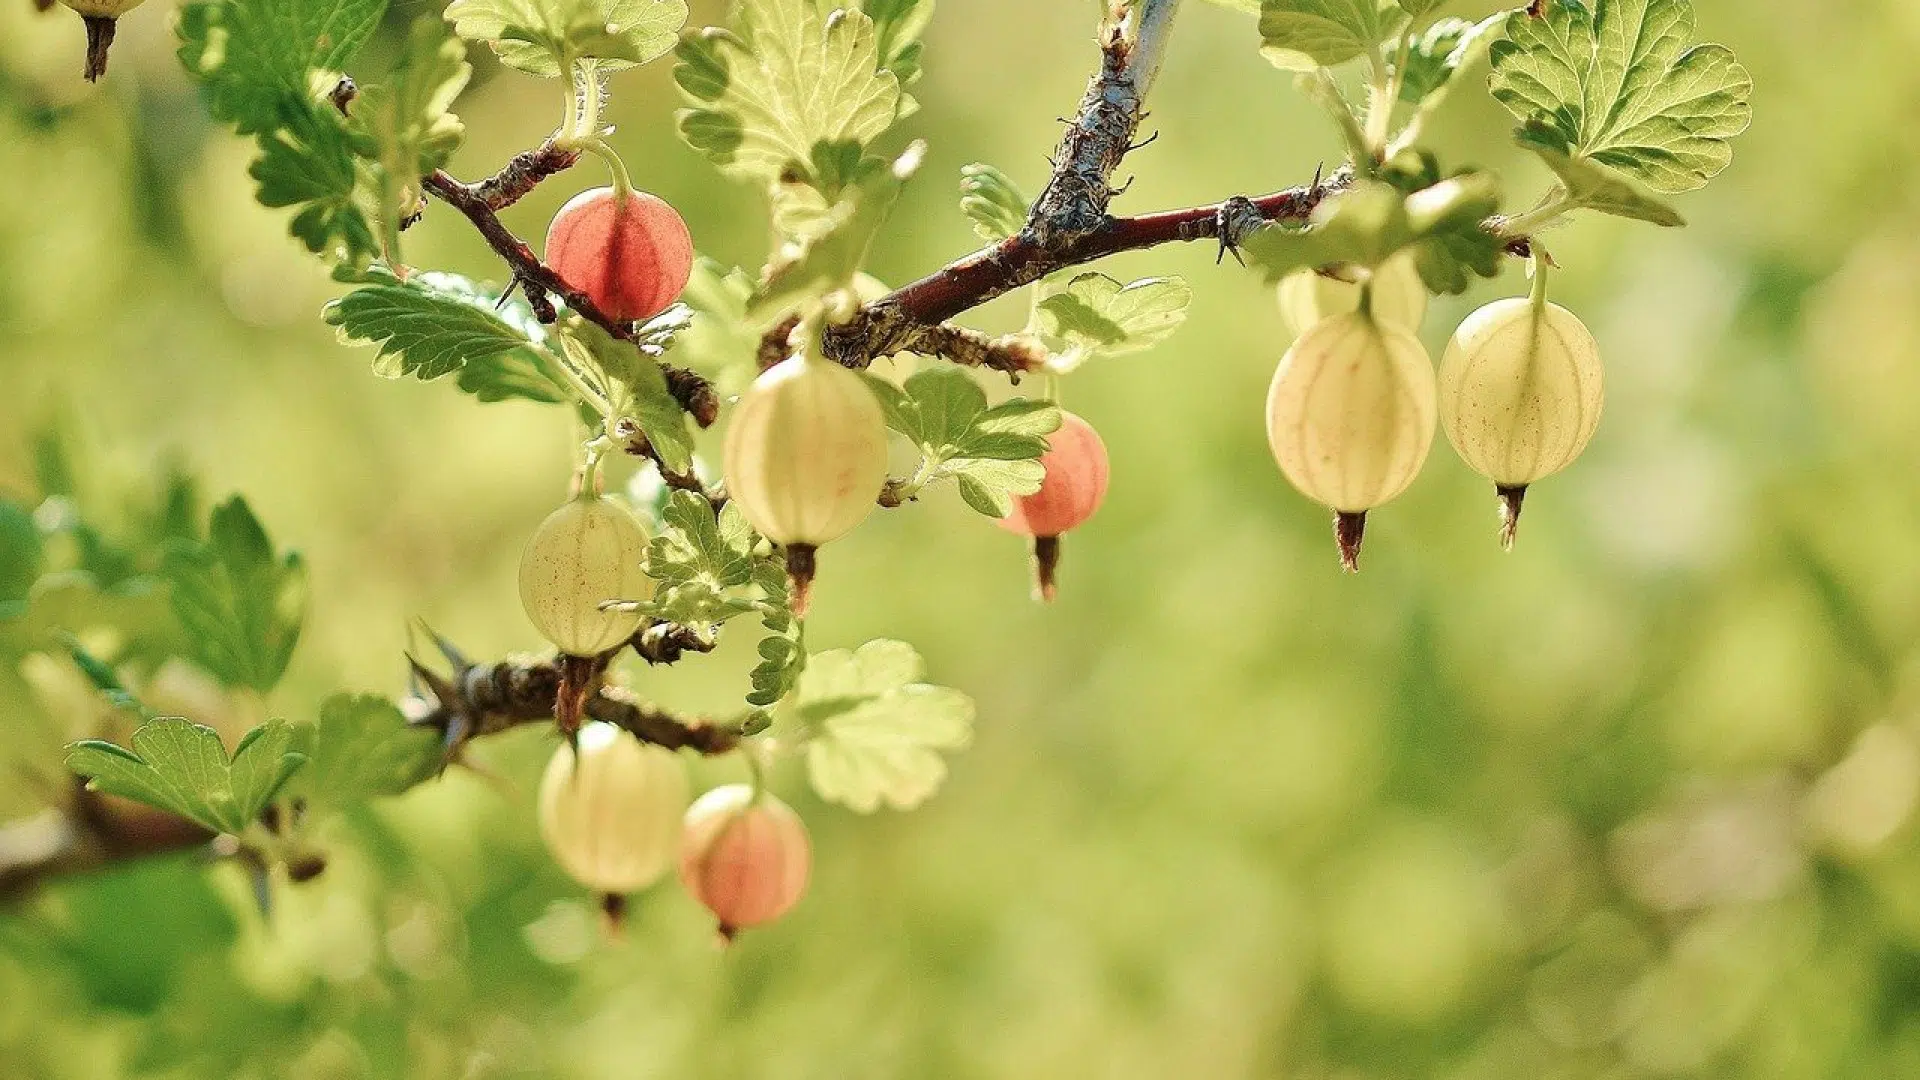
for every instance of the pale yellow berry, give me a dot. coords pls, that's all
(807, 452)
(1399, 296)
(590, 551)
(610, 813)
(1520, 390)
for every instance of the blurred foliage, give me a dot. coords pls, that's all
(1632, 801)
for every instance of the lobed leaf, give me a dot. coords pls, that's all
(181, 767)
(541, 37)
(240, 603)
(1095, 316)
(992, 201)
(1300, 35)
(361, 749)
(435, 324)
(1620, 86)
(874, 731)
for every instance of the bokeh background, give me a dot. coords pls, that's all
(1631, 801)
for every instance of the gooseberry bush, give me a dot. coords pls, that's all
(745, 393)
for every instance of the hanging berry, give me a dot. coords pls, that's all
(610, 810)
(1350, 418)
(1073, 488)
(805, 459)
(1521, 389)
(1399, 296)
(745, 858)
(632, 256)
(584, 554)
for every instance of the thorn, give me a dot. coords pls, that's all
(1116, 192)
(1511, 498)
(441, 689)
(1319, 172)
(507, 293)
(447, 649)
(1144, 143)
(1348, 530)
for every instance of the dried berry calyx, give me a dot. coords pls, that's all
(1521, 389)
(1399, 296)
(1072, 490)
(590, 551)
(1350, 418)
(630, 254)
(745, 856)
(805, 459)
(100, 17)
(610, 810)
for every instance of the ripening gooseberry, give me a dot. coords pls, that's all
(1520, 395)
(805, 459)
(745, 859)
(1399, 296)
(1350, 417)
(610, 810)
(584, 554)
(631, 257)
(1073, 488)
(101, 18)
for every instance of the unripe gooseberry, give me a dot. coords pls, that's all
(584, 554)
(1072, 489)
(610, 810)
(1350, 418)
(745, 859)
(1399, 296)
(632, 256)
(1521, 389)
(805, 459)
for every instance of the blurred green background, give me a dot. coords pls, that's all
(1632, 801)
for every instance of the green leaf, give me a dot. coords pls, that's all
(362, 749)
(240, 603)
(255, 59)
(404, 124)
(874, 731)
(1443, 51)
(994, 203)
(535, 35)
(897, 26)
(1594, 186)
(181, 767)
(21, 554)
(783, 654)
(993, 453)
(784, 79)
(1300, 35)
(435, 324)
(1619, 85)
(1248, 7)
(1372, 221)
(265, 68)
(803, 271)
(704, 563)
(632, 383)
(1417, 8)
(1097, 316)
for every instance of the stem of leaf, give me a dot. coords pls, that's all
(1557, 203)
(622, 182)
(1331, 99)
(1538, 265)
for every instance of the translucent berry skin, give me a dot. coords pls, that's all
(611, 815)
(589, 551)
(1075, 484)
(1521, 389)
(632, 258)
(1351, 412)
(806, 454)
(1399, 296)
(746, 861)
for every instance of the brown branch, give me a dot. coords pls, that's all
(522, 173)
(909, 318)
(480, 700)
(694, 393)
(91, 832)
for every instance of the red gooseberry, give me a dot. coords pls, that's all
(631, 256)
(745, 856)
(1075, 484)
